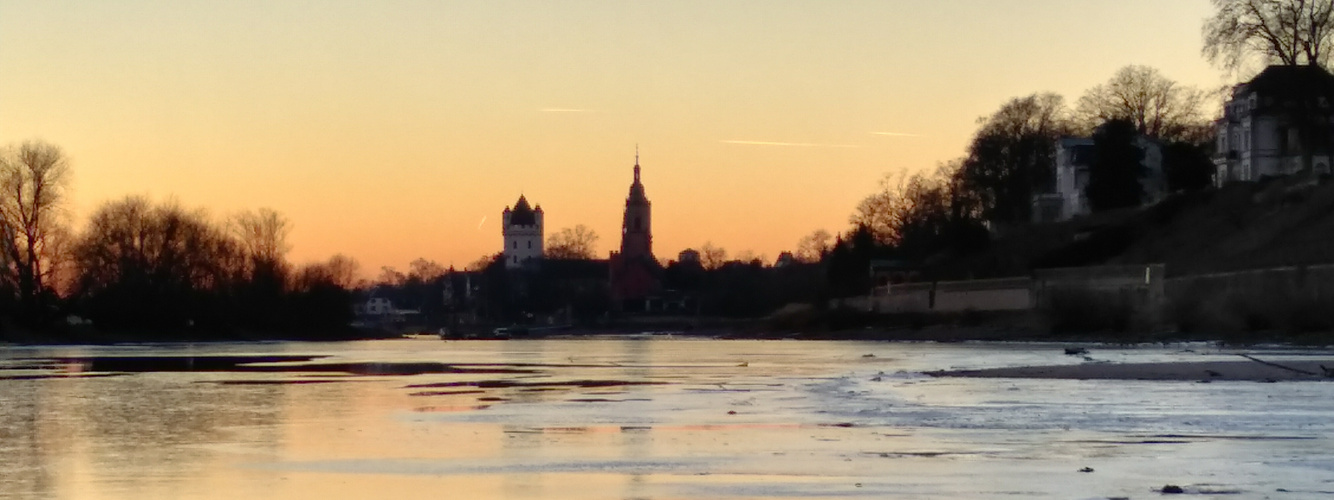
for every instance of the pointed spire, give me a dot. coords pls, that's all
(636, 163)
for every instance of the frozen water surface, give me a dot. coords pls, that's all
(643, 418)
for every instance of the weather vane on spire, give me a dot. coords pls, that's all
(636, 154)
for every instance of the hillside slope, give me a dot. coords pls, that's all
(1279, 222)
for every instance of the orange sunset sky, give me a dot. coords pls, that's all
(391, 130)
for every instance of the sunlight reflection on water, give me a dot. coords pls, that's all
(644, 418)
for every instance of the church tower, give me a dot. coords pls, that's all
(522, 229)
(636, 227)
(634, 271)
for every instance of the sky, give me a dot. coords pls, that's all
(393, 130)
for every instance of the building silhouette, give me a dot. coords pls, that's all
(634, 270)
(522, 229)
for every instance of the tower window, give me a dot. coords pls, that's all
(515, 245)
(530, 244)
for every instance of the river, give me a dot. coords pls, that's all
(641, 418)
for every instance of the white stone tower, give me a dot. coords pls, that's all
(522, 228)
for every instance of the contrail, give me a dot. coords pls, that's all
(896, 134)
(565, 110)
(796, 144)
(483, 221)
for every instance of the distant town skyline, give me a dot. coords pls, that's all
(397, 130)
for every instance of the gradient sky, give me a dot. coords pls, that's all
(391, 130)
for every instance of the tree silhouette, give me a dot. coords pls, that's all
(578, 242)
(425, 271)
(1158, 107)
(1188, 166)
(34, 180)
(1011, 156)
(711, 256)
(814, 246)
(1288, 32)
(1114, 176)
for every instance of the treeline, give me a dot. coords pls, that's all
(155, 270)
(955, 209)
(744, 287)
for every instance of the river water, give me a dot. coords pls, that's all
(641, 418)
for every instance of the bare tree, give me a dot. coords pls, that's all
(343, 270)
(879, 212)
(34, 178)
(578, 242)
(1156, 105)
(712, 257)
(263, 233)
(905, 205)
(1289, 32)
(340, 270)
(814, 246)
(262, 236)
(425, 271)
(390, 277)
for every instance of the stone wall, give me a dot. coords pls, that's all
(1142, 285)
(1294, 299)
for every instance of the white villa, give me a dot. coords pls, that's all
(1074, 157)
(1260, 135)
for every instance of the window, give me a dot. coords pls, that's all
(515, 245)
(530, 244)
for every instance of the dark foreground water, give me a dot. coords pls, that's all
(643, 418)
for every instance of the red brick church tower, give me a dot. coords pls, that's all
(634, 270)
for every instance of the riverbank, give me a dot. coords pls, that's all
(89, 335)
(1245, 368)
(836, 324)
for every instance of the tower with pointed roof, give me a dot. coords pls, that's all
(636, 226)
(522, 229)
(634, 270)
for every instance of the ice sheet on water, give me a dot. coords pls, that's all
(1109, 406)
(483, 466)
(736, 420)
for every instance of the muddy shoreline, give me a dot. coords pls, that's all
(1243, 369)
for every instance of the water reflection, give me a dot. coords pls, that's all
(27, 455)
(630, 419)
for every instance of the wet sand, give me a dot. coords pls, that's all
(1243, 369)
